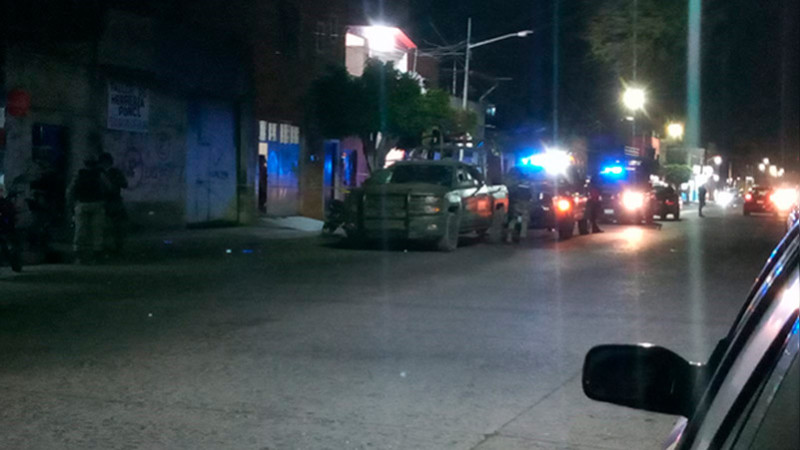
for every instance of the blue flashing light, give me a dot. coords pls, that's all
(612, 170)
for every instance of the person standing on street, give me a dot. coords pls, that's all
(88, 194)
(519, 204)
(9, 243)
(701, 199)
(594, 206)
(114, 233)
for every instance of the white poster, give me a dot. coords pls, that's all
(128, 107)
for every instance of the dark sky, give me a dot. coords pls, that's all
(750, 79)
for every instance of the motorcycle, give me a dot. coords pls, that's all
(335, 218)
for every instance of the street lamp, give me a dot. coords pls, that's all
(633, 99)
(762, 167)
(717, 160)
(766, 161)
(470, 46)
(675, 130)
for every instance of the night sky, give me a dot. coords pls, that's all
(750, 75)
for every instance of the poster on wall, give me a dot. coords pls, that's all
(128, 107)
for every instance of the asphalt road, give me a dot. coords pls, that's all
(303, 344)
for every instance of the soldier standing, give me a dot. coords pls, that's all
(88, 194)
(9, 242)
(519, 209)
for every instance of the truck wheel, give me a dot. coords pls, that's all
(495, 233)
(565, 230)
(449, 242)
(583, 227)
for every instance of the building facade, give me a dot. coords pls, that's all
(170, 101)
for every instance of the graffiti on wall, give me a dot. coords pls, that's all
(153, 163)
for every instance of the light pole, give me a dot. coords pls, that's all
(470, 46)
(633, 99)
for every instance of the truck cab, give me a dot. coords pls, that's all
(433, 201)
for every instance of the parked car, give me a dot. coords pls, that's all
(745, 395)
(557, 201)
(627, 203)
(433, 201)
(666, 201)
(757, 200)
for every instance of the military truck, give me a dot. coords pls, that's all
(430, 201)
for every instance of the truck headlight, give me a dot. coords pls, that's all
(425, 204)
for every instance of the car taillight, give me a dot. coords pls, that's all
(563, 204)
(670, 202)
(632, 200)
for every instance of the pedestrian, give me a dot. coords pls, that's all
(9, 242)
(116, 216)
(519, 204)
(88, 194)
(701, 198)
(594, 205)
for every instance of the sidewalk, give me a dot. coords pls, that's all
(234, 239)
(151, 245)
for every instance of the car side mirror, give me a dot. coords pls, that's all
(643, 377)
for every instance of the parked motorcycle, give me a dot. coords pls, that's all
(335, 217)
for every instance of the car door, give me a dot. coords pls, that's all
(483, 200)
(758, 341)
(467, 188)
(770, 418)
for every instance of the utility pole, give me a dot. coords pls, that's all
(556, 23)
(635, 62)
(455, 75)
(466, 65)
(693, 75)
(635, 37)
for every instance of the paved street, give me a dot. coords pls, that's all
(299, 343)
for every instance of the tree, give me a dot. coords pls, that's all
(676, 174)
(660, 44)
(383, 107)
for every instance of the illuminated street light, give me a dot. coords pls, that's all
(780, 172)
(381, 38)
(675, 130)
(633, 98)
(718, 160)
(766, 161)
(470, 46)
(773, 170)
(762, 167)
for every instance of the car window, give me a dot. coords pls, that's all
(772, 411)
(464, 178)
(418, 173)
(475, 174)
(779, 424)
(743, 365)
(379, 177)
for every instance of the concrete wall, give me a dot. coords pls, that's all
(179, 67)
